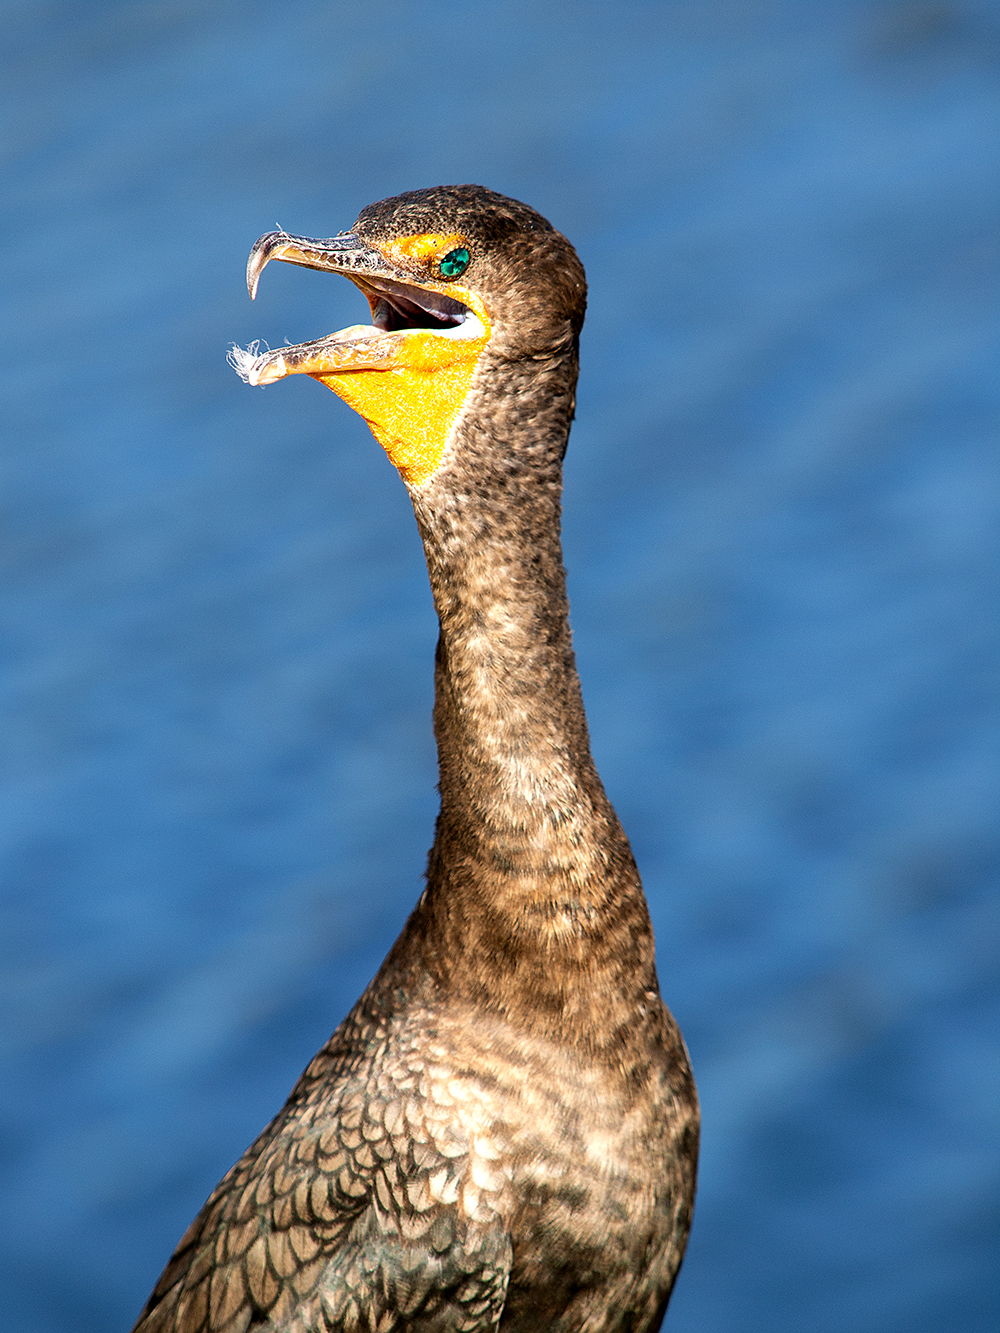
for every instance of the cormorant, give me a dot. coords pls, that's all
(503, 1131)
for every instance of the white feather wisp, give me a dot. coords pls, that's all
(244, 361)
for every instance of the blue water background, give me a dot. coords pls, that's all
(216, 764)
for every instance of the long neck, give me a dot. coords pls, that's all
(531, 881)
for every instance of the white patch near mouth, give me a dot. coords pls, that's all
(470, 327)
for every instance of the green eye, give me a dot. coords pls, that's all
(454, 263)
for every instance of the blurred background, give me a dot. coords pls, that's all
(216, 763)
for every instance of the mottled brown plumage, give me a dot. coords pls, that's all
(503, 1132)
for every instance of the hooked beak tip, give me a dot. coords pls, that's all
(262, 251)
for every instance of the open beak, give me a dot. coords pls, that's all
(418, 327)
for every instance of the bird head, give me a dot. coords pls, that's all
(456, 277)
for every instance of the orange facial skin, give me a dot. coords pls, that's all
(422, 247)
(409, 384)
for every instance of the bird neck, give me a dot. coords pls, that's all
(531, 882)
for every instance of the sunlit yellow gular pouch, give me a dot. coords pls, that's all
(409, 371)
